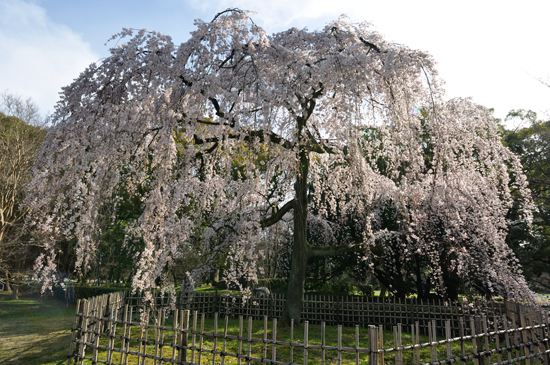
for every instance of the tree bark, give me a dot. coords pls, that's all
(7, 288)
(298, 264)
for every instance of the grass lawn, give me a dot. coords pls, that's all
(34, 332)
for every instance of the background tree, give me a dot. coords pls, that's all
(305, 98)
(532, 145)
(21, 134)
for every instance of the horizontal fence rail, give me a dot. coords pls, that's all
(117, 329)
(339, 310)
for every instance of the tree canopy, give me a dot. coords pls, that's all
(532, 145)
(351, 128)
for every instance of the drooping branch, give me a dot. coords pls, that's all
(271, 220)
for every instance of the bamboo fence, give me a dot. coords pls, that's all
(116, 329)
(339, 310)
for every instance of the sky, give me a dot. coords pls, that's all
(491, 51)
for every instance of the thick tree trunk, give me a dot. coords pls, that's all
(298, 264)
(7, 288)
(15, 289)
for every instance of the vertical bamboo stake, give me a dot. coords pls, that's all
(486, 337)
(381, 343)
(434, 335)
(99, 314)
(524, 335)
(184, 335)
(215, 348)
(163, 325)
(249, 341)
(306, 327)
(146, 337)
(194, 337)
(373, 346)
(474, 341)
(543, 348)
(240, 348)
(140, 344)
(201, 338)
(461, 332)
(515, 334)
(399, 343)
(73, 334)
(176, 337)
(130, 317)
(158, 322)
(265, 338)
(357, 341)
(396, 345)
(497, 341)
(534, 334)
(339, 355)
(112, 332)
(430, 340)
(322, 343)
(274, 347)
(224, 346)
(412, 344)
(84, 336)
(123, 338)
(507, 338)
(545, 333)
(417, 327)
(448, 339)
(414, 340)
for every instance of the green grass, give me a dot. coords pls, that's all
(32, 332)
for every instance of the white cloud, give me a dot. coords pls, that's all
(38, 56)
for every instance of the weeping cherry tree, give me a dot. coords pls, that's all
(183, 126)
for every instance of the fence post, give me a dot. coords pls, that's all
(474, 341)
(84, 331)
(183, 335)
(373, 345)
(98, 326)
(542, 329)
(461, 333)
(523, 336)
(486, 336)
(74, 331)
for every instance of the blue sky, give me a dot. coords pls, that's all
(489, 50)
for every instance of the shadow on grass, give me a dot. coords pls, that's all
(34, 330)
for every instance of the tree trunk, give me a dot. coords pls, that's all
(215, 277)
(298, 264)
(15, 290)
(7, 288)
